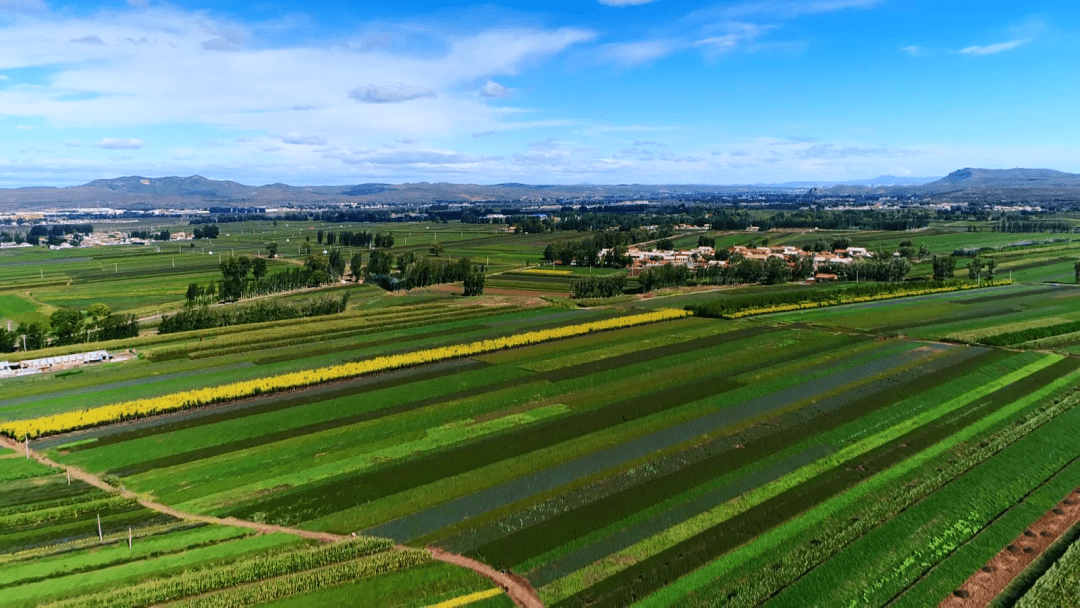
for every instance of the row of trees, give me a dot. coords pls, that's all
(773, 271)
(347, 238)
(203, 317)
(598, 287)
(207, 231)
(885, 269)
(586, 252)
(164, 235)
(244, 277)
(68, 326)
(421, 272)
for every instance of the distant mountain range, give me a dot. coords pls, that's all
(883, 180)
(135, 192)
(987, 185)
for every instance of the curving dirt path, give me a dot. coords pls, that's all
(517, 588)
(990, 580)
(97, 482)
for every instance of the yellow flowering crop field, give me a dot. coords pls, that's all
(139, 408)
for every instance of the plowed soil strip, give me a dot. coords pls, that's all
(995, 576)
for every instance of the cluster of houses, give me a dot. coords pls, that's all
(706, 256)
(52, 364)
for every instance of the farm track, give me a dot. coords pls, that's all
(516, 587)
(97, 482)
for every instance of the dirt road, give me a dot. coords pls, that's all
(516, 587)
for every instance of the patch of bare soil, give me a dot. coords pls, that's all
(991, 579)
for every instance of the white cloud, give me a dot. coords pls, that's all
(257, 87)
(396, 92)
(913, 50)
(494, 89)
(636, 53)
(624, 2)
(27, 6)
(88, 40)
(73, 143)
(113, 143)
(788, 9)
(992, 49)
(303, 140)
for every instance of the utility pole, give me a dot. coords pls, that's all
(129, 539)
(101, 537)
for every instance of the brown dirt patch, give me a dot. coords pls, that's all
(990, 580)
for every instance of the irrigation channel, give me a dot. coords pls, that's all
(517, 589)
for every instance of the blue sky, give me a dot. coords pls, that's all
(610, 91)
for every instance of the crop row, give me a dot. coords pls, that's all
(367, 329)
(84, 543)
(193, 398)
(114, 556)
(334, 328)
(161, 339)
(29, 518)
(19, 468)
(776, 559)
(303, 582)
(1060, 586)
(783, 432)
(884, 563)
(838, 298)
(539, 271)
(697, 541)
(45, 496)
(1001, 530)
(784, 438)
(216, 577)
(1013, 338)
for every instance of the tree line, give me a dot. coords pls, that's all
(67, 326)
(203, 317)
(245, 277)
(598, 286)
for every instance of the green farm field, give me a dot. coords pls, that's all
(865, 454)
